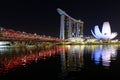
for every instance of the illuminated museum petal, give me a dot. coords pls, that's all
(97, 31)
(95, 35)
(106, 30)
(113, 35)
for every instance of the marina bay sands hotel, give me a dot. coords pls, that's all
(69, 27)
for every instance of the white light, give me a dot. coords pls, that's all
(3, 43)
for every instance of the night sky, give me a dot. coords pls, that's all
(41, 16)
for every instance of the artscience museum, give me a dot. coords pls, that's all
(105, 33)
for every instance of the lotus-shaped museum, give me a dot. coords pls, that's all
(105, 34)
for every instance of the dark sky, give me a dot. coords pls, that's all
(41, 16)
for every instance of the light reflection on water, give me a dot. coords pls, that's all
(77, 57)
(105, 54)
(11, 57)
(72, 57)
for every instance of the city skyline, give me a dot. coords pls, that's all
(41, 17)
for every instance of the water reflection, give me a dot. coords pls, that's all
(18, 57)
(105, 54)
(79, 56)
(72, 57)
